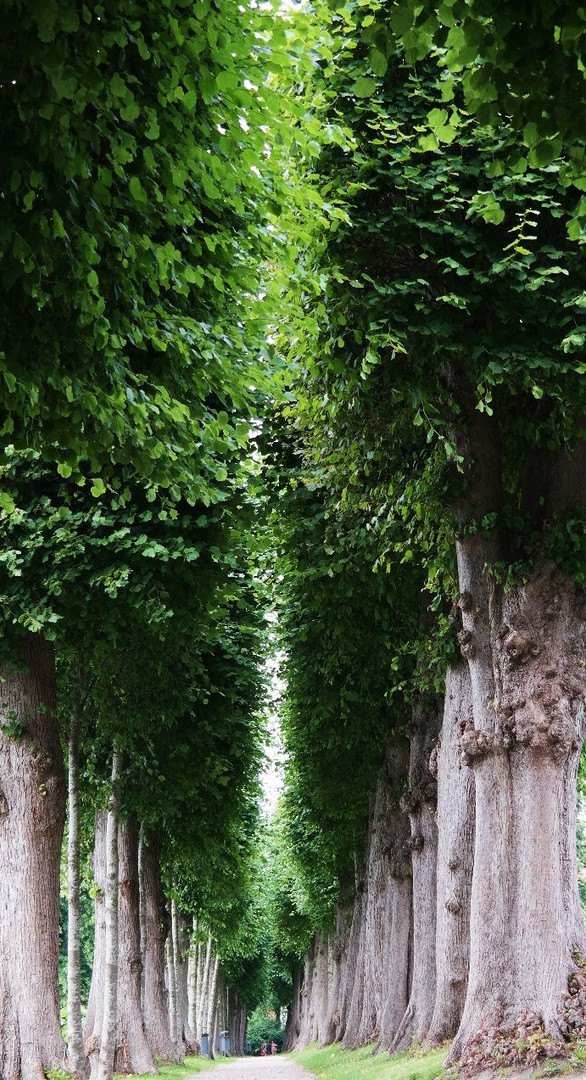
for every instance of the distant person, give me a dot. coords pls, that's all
(273, 1048)
(263, 1050)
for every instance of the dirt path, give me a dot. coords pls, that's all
(257, 1068)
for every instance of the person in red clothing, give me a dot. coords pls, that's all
(263, 1050)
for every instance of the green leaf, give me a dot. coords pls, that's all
(363, 87)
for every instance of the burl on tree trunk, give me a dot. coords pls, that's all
(525, 649)
(32, 815)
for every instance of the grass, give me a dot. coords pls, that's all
(190, 1066)
(333, 1063)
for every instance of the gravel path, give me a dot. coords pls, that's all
(257, 1068)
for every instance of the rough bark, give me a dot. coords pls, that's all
(293, 1024)
(32, 815)
(525, 650)
(103, 1068)
(182, 950)
(133, 1054)
(171, 988)
(236, 1023)
(397, 914)
(356, 980)
(386, 873)
(95, 1008)
(156, 1009)
(75, 1042)
(205, 980)
(318, 1011)
(350, 961)
(213, 998)
(192, 970)
(455, 823)
(337, 951)
(419, 802)
(305, 1015)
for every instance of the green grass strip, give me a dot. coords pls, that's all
(190, 1066)
(333, 1063)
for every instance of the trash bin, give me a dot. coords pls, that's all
(205, 1044)
(224, 1043)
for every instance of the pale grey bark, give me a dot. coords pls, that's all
(76, 1050)
(397, 909)
(455, 820)
(292, 1026)
(204, 996)
(133, 1054)
(338, 945)
(171, 988)
(156, 1009)
(525, 652)
(32, 815)
(348, 974)
(104, 1067)
(305, 1026)
(95, 1008)
(182, 952)
(192, 969)
(419, 802)
(212, 998)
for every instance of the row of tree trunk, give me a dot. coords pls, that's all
(156, 988)
(465, 921)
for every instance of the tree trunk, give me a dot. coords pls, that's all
(293, 1024)
(192, 970)
(32, 815)
(305, 1024)
(356, 976)
(204, 995)
(525, 650)
(397, 912)
(420, 803)
(212, 1001)
(133, 1054)
(455, 824)
(183, 947)
(95, 1008)
(337, 950)
(156, 1009)
(104, 1068)
(75, 1044)
(172, 989)
(236, 1023)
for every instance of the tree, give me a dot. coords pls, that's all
(465, 416)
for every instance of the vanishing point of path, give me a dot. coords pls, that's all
(257, 1068)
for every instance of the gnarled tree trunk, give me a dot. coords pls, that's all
(338, 945)
(455, 824)
(32, 815)
(525, 650)
(419, 801)
(133, 1054)
(293, 1024)
(75, 1043)
(103, 1068)
(182, 945)
(397, 914)
(155, 1007)
(95, 1008)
